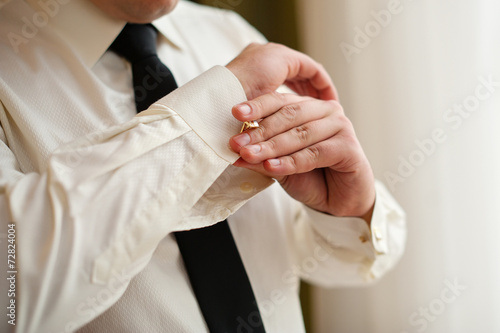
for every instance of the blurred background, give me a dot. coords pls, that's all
(420, 80)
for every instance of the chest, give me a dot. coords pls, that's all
(53, 98)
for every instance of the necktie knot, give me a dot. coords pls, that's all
(136, 42)
(151, 78)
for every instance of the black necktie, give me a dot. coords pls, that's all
(210, 255)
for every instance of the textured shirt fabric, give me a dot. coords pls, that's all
(96, 191)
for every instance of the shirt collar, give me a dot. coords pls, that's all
(90, 32)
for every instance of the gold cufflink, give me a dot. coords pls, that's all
(249, 124)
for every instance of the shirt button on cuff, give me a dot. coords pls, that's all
(246, 187)
(363, 238)
(377, 233)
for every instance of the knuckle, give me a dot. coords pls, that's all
(313, 153)
(350, 142)
(256, 105)
(289, 112)
(335, 106)
(250, 158)
(293, 162)
(345, 122)
(350, 139)
(302, 133)
(258, 134)
(271, 145)
(278, 96)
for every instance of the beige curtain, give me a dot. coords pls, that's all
(421, 82)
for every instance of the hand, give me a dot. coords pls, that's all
(310, 147)
(261, 69)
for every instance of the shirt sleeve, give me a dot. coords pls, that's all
(92, 220)
(345, 251)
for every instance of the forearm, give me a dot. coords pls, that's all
(91, 221)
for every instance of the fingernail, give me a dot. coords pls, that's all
(254, 149)
(242, 139)
(244, 109)
(274, 162)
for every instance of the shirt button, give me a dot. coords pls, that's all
(377, 233)
(246, 187)
(363, 239)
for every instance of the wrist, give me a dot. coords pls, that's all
(368, 215)
(239, 75)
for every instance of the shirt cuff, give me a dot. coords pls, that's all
(342, 232)
(381, 243)
(205, 104)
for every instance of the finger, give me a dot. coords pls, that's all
(306, 69)
(284, 119)
(334, 153)
(291, 141)
(240, 163)
(263, 106)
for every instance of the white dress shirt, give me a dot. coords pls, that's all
(95, 191)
